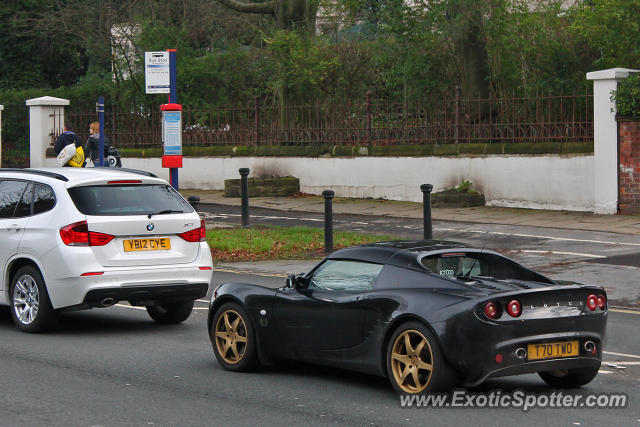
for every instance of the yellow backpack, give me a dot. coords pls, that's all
(78, 159)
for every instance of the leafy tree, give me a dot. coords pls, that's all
(611, 28)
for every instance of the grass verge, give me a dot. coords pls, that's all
(270, 242)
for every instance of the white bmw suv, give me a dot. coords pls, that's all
(74, 238)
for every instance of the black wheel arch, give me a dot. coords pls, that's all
(225, 298)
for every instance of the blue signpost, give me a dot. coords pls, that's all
(101, 138)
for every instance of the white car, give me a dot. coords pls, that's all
(75, 238)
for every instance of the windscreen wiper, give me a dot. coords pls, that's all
(162, 212)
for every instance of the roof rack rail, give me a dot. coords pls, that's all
(37, 172)
(139, 172)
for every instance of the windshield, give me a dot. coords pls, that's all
(129, 199)
(470, 264)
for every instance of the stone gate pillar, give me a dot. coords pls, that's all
(46, 118)
(1, 108)
(605, 138)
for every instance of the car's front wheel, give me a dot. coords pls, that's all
(233, 339)
(169, 313)
(415, 364)
(31, 307)
(570, 378)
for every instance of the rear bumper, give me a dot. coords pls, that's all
(68, 287)
(145, 295)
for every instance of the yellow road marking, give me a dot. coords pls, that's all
(633, 356)
(253, 273)
(625, 310)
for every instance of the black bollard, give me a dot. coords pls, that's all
(426, 201)
(328, 220)
(244, 194)
(194, 201)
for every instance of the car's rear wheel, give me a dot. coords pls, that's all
(570, 378)
(415, 363)
(233, 338)
(169, 313)
(31, 308)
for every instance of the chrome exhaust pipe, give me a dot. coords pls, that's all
(107, 302)
(589, 346)
(521, 353)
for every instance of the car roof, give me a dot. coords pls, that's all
(75, 176)
(400, 252)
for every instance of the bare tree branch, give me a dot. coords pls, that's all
(268, 7)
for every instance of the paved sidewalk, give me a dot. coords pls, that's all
(624, 224)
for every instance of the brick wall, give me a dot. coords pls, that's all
(629, 172)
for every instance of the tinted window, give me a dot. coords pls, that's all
(10, 194)
(128, 200)
(336, 275)
(458, 264)
(24, 206)
(44, 199)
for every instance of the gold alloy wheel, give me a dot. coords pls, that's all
(411, 361)
(231, 336)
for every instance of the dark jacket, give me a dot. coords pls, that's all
(65, 138)
(91, 151)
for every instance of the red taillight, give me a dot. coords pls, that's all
(514, 308)
(602, 302)
(78, 234)
(125, 181)
(592, 302)
(205, 268)
(491, 310)
(195, 235)
(93, 273)
(99, 239)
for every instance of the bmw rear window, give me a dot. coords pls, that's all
(127, 199)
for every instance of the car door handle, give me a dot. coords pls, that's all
(14, 228)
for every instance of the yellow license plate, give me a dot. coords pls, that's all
(552, 350)
(160, 244)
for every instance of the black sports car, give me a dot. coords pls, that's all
(426, 314)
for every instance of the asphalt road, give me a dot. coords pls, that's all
(115, 366)
(610, 260)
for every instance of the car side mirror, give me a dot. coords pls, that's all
(295, 281)
(291, 281)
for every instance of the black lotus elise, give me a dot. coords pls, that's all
(425, 314)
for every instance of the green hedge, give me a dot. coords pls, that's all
(405, 150)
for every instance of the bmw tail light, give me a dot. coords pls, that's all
(491, 310)
(78, 234)
(602, 302)
(514, 308)
(196, 235)
(592, 302)
(99, 239)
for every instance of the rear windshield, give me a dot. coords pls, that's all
(128, 199)
(470, 264)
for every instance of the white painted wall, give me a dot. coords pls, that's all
(538, 182)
